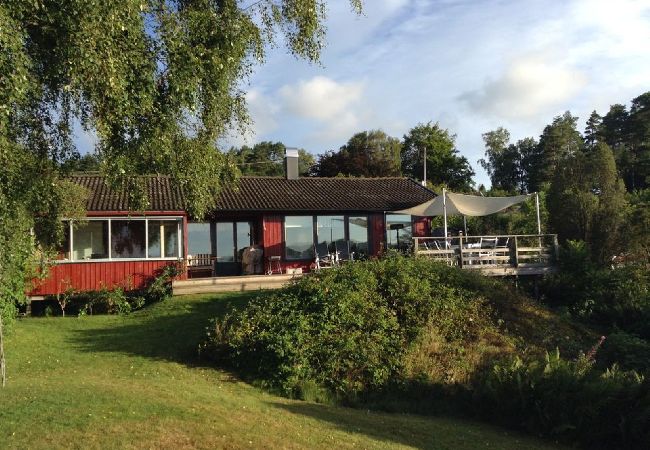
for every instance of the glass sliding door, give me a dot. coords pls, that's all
(243, 238)
(199, 239)
(358, 233)
(399, 231)
(225, 242)
(231, 238)
(299, 237)
(329, 230)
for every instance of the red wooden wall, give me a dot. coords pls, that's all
(377, 234)
(91, 276)
(272, 235)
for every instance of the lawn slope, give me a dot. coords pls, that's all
(135, 382)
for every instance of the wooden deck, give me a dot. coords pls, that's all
(502, 255)
(495, 256)
(231, 284)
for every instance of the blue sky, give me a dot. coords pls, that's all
(470, 65)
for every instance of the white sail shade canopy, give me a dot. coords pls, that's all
(467, 205)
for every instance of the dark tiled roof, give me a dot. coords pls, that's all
(270, 194)
(162, 193)
(322, 194)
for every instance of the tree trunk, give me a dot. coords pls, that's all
(3, 374)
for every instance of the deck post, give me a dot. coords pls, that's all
(556, 248)
(539, 222)
(444, 211)
(460, 251)
(516, 253)
(417, 245)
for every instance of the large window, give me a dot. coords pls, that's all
(299, 237)
(123, 238)
(90, 240)
(399, 231)
(358, 229)
(128, 239)
(300, 234)
(163, 238)
(330, 229)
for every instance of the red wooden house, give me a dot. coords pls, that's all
(284, 216)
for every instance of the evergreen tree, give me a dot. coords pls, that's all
(586, 201)
(558, 141)
(592, 130)
(638, 173)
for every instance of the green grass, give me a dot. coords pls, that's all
(135, 382)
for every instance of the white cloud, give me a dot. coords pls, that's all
(321, 98)
(263, 112)
(529, 86)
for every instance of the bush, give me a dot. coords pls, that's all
(360, 327)
(569, 400)
(118, 300)
(613, 298)
(160, 287)
(627, 350)
(331, 329)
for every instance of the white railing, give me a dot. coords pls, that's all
(495, 251)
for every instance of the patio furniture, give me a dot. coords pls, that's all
(323, 258)
(274, 265)
(489, 244)
(201, 264)
(343, 252)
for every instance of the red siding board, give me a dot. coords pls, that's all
(377, 233)
(90, 276)
(272, 235)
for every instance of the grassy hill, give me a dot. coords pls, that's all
(135, 382)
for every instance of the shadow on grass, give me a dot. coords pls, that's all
(171, 330)
(413, 431)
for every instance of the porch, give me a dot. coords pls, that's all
(239, 283)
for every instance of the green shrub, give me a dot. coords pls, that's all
(360, 327)
(627, 350)
(332, 329)
(118, 300)
(613, 298)
(569, 400)
(160, 288)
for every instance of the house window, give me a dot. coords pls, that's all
(90, 240)
(358, 235)
(299, 237)
(163, 238)
(128, 239)
(399, 231)
(140, 238)
(330, 229)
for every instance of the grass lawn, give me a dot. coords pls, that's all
(135, 382)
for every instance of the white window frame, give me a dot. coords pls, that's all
(179, 234)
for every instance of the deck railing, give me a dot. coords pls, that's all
(518, 252)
